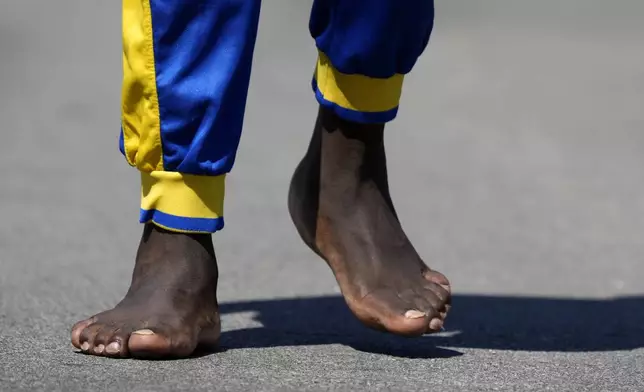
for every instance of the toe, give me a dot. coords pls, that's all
(439, 279)
(390, 312)
(113, 349)
(78, 328)
(102, 339)
(425, 302)
(440, 301)
(435, 295)
(146, 343)
(429, 306)
(99, 348)
(408, 323)
(87, 337)
(116, 345)
(435, 325)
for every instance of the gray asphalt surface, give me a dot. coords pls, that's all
(517, 164)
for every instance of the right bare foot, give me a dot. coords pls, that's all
(170, 308)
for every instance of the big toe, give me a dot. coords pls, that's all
(395, 315)
(78, 328)
(412, 322)
(145, 343)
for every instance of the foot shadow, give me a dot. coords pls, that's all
(476, 321)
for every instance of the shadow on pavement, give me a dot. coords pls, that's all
(476, 321)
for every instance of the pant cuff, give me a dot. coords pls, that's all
(356, 97)
(182, 203)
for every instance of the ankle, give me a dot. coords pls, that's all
(369, 134)
(350, 149)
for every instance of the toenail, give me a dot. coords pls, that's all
(144, 332)
(436, 324)
(99, 349)
(113, 348)
(85, 346)
(414, 314)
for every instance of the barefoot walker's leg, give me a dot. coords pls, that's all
(186, 70)
(339, 197)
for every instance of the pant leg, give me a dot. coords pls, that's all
(186, 66)
(365, 49)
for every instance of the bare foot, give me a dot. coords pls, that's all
(170, 308)
(339, 201)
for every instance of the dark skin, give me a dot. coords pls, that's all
(171, 305)
(340, 203)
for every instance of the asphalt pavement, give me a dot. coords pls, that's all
(517, 167)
